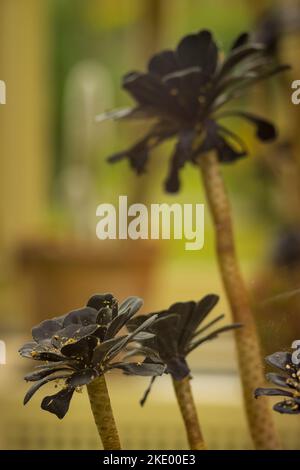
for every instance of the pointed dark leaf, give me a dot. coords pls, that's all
(135, 322)
(163, 63)
(228, 153)
(82, 349)
(40, 373)
(239, 144)
(208, 325)
(144, 336)
(166, 328)
(147, 391)
(198, 50)
(82, 377)
(105, 316)
(132, 303)
(211, 336)
(73, 332)
(100, 332)
(83, 316)
(265, 131)
(191, 314)
(101, 351)
(149, 90)
(242, 81)
(37, 385)
(131, 337)
(126, 311)
(143, 369)
(287, 407)
(45, 330)
(238, 56)
(118, 323)
(241, 41)
(143, 350)
(280, 360)
(48, 356)
(276, 379)
(182, 153)
(59, 403)
(138, 153)
(27, 348)
(259, 392)
(99, 301)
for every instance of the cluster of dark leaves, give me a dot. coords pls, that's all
(182, 95)
(287, 383)
(178, 331)
(80, 346)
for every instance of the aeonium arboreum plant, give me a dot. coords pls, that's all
(183, 95)
(78, 348)
(287, 382)
(178, 331)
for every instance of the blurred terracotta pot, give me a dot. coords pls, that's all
(60, 275)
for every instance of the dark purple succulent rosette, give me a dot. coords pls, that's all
(78, 347)
(287, 383)
(183, 93)
(177, 332)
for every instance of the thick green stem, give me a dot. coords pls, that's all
(189, 414)
(259, 415)
(103, 415)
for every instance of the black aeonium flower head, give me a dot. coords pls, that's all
(177, 332)
(78, 347)
(287, 383)
(183, 93)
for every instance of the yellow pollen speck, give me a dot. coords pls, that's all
(70, 341)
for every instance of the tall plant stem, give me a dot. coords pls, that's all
(189, 414)
(103, 415)
(259, 415)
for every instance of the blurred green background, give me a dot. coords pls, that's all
(62, 61)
